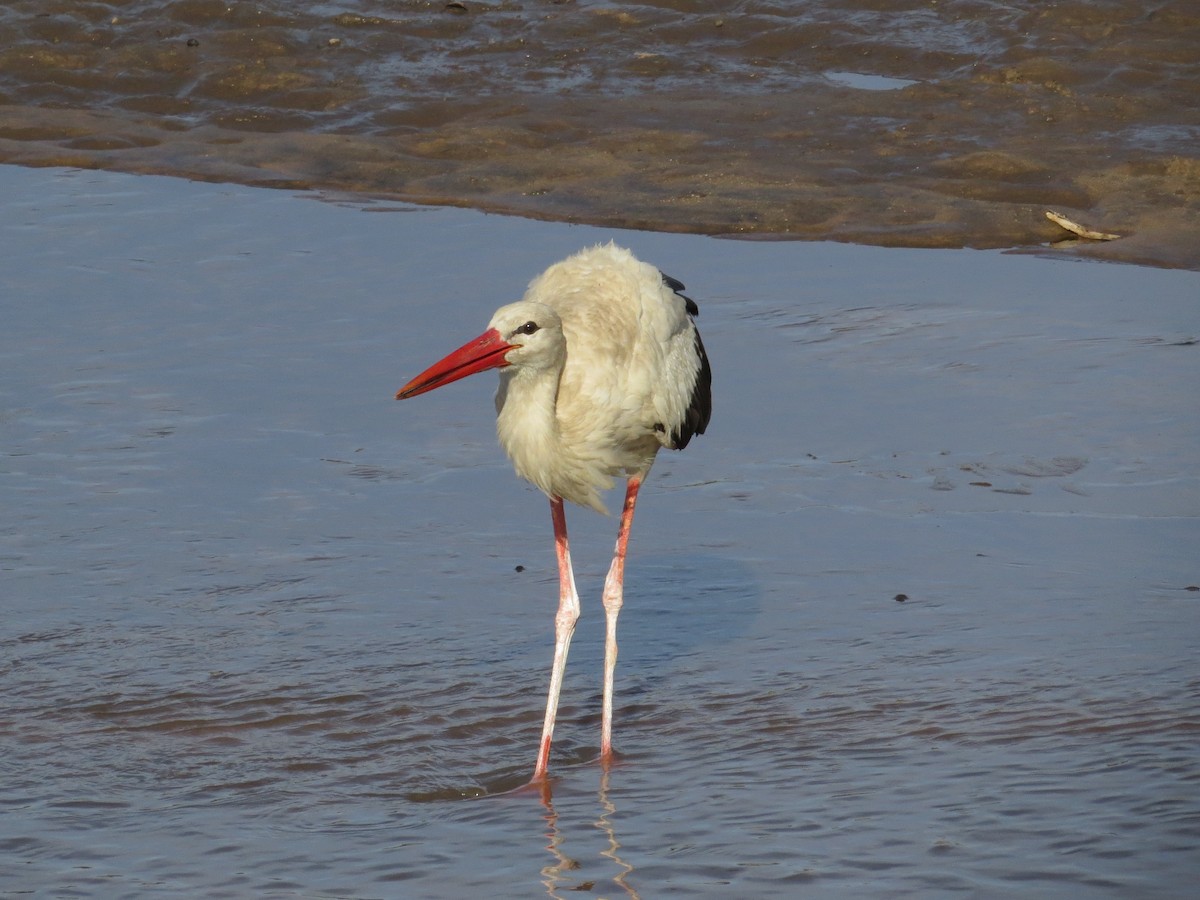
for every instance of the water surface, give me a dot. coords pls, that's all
(265, 634)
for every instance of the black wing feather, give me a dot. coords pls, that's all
(699, 410)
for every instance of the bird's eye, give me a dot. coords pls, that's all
(527, 328)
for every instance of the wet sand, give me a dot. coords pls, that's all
(902, 124)
(269, 633)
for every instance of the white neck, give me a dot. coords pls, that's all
(526, 422)
(529, 431)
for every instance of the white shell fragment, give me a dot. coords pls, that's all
(1076, 228)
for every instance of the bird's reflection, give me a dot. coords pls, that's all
(555, 875)
(560, 875)
(605, 824)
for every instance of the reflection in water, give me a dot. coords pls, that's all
(555, 875)
(604, 823)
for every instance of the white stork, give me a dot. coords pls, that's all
(600, 365)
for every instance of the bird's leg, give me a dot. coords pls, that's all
(564, 627)
(613, 598)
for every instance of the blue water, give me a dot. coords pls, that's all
(264, 633)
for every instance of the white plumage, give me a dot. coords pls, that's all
(601, 366)
(627, 351)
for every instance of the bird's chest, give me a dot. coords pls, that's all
(555, 439)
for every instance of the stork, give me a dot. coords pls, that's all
(601, 366)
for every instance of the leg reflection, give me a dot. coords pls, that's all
(562, 876)
(605, 824)
(555, 875)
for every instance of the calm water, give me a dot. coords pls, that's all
(264, 633)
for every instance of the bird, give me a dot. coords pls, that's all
(600, 366)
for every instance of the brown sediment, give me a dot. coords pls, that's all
(736, 122)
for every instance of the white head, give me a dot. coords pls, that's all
(526, 336)
(534, 332)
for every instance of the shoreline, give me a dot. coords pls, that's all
(656, 179)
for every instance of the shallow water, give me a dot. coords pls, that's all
(733, 116)
(265, 634)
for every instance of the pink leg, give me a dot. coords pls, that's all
(613, 598)
(564, 627)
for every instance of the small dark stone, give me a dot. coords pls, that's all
(900, 598)
(519, 569)
(193, 42)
